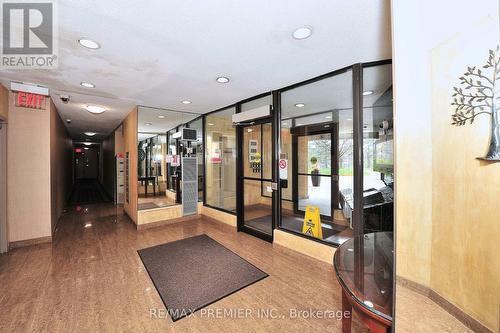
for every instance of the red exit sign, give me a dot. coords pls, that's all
(30, 100)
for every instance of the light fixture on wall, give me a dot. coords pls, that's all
(87, 84)
(95, 109)
(302, 32)
(367, 92)
(186, 102)
(210, 124)
(300, 105)
(87, 225)
(89, 43)
(222, 79)
(89, 133)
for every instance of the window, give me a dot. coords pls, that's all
(317, 143)
(378, 161)
(195, 148)
(220, 160)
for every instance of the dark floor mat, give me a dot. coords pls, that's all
(192, 273)
(292, 223)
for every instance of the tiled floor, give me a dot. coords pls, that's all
(417, 313)
(90, 279)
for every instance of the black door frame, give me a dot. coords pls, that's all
(241, 179)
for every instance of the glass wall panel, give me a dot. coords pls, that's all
(316, 146)
(195, 148)
(220, 160)
(378, 161)
(171, 169)
(158, 178)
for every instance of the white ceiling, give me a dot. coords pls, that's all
(168, 51)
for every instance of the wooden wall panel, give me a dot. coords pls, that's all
(130, 147)
(4, 102)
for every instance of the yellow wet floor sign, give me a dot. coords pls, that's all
(312, 222)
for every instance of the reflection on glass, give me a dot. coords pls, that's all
(378, 145)
(220, 157)
(195, 148)
(316, 142)
(157, 175)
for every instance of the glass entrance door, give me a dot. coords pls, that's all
(257, 177)
(316, 171)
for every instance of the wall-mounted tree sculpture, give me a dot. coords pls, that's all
(479, 93)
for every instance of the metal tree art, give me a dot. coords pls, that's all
(479, 93)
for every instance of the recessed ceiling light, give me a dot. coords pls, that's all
(186, 102)
(210, 124)
(86, 148)
(328, 117)
(87, 143)
(89, 133)
(89, 43)
(298, 124)
(68, 121)
(367, 92)
(302, 32)
(161, 116)
(87, 84)
(222, 79)
(95, 109)
(148, 124)
(300, 105)
(88, 225)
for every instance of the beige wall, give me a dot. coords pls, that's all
(130, 146)
(28, 172)
(447, 220)
(4, 102)
(61, 159)
(119, 144)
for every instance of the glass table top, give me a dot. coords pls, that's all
(364, 267)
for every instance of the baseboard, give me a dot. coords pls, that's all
(30, 242)
(449, 307)
(167, 222)
(305, 246)
(219, 216)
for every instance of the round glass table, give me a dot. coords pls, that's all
(364, 268)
